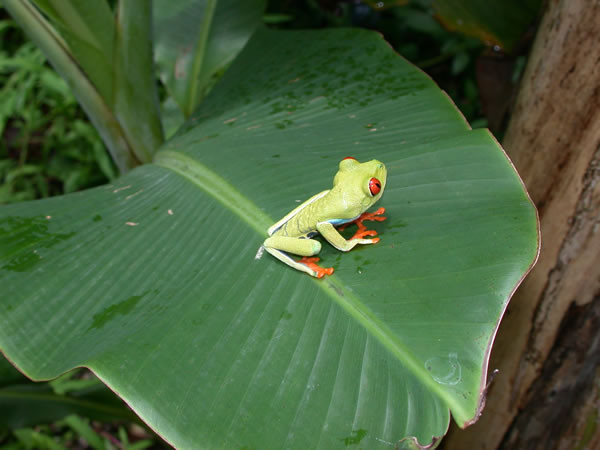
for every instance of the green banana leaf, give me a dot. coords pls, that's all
(152, 282)
(499, 23)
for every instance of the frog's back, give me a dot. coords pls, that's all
(305, 222)
(324, 209)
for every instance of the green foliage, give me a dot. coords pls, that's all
(24, 404)
(72, 432)
(48, 147)
(106, 58)
(49, 415)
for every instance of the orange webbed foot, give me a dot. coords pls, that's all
(376, 215)
(362, 232)
(362, 229)
(311, 263)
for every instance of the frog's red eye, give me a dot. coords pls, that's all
(349, 157)
(374, 186)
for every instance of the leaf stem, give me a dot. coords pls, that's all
(61, 58)
(194, 96)
(136, 103)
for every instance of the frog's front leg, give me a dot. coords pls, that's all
(279, 245)
(329, 232)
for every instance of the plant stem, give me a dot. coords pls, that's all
(194, 97)
(61, 58)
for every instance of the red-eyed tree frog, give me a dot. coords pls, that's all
(356, 187)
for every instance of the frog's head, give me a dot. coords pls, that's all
(364, 180)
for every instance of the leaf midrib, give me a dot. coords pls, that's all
(226, 194)
(245, 209)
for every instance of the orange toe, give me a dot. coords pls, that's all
(377, 215)
(362, 229)
(364, 232)
(311, 263)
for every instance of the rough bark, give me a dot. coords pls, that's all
(544, 342)
(562, 406)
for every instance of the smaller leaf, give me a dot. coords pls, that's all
(194, 40)
(460, 62)
(67, 383)
(82, 428)
(32, 439)
(136, 102)
(29, 404)
(276, 19)
(88, 94)
(88, 28)
(496, 22)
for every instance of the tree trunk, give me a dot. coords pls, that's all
(547, 393)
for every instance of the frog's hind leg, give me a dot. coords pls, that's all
(278, 245)
(285, 258)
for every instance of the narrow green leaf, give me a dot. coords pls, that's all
(29, 404)
(113, 65)
(66, 64)
(82, 428)
(32, 439)
(115, 51)
(196, 40)
(198, 58)
(157, 280)
(71, 382)
(136, 102)
(89, 31)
